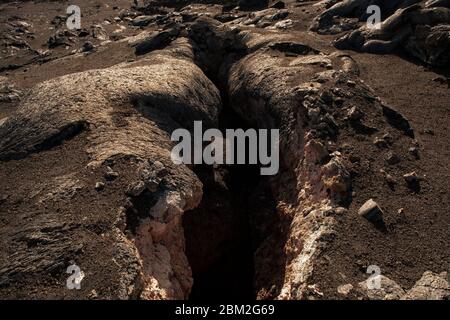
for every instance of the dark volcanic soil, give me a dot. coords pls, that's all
(417, 237)
(417, 222)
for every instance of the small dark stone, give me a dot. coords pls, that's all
(414, 151)
(111, 175)
(380, 143)
(429, 131)
(88, 46)
(411, 177)
(355, 114)
(392, 158)
(371, 211)
(99, 186)
(413, 181)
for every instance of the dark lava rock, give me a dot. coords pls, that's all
(371, 211)
(88, 46)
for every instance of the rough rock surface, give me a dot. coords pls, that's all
(87, 179)
(114, 116)
(388, 289)
(420, 27)
(430, 287)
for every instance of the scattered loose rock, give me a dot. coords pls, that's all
(414, 151)
(110, 174)
(99, 186)
(388, 290)
(380, 143)
(411, 177)
(61, 38)
(371, 211)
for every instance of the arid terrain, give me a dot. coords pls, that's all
(358, 210)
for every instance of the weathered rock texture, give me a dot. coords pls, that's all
(123, 114)
(101, 190)
(279, 82)
(419, 27)
(430, 286)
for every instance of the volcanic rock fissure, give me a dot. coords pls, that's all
(87, 176)
(224, 232)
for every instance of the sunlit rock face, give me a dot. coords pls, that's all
(89, 180)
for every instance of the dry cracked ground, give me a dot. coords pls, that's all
(86, 177)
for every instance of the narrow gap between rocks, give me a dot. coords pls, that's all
(218, 235)
(221, 236)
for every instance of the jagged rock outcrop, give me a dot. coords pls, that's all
(121, 117)
(388, 289)
(298, 93)
(279, 82)
(419, 27)
(431, 286)
(101, 191)
(244, 4)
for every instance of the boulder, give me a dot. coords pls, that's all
(431, 286)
